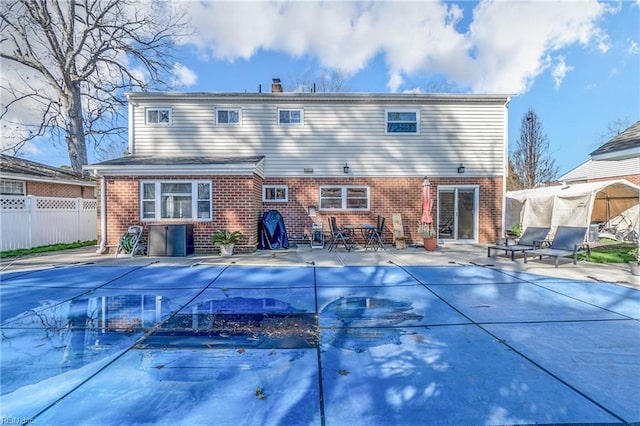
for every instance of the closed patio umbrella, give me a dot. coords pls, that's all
(427, 203)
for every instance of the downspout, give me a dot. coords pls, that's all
(102, 247)
(505, 173)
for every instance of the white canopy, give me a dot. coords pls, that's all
(573, 205)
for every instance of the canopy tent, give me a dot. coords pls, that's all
(573, 205)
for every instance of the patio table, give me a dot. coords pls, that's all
(363, 228)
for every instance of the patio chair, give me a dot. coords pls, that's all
(131, 242)
(374, 236)
(569, 240)
(337, 235)
(532, 238)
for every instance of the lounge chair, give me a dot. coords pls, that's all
(532, 238)
(338, 235)
(374, 236)
(131, 243)
(569, 240)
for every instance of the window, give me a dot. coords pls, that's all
(159, 116)
(175, 200)
(275, 193)
(11, 187)
(228, 117)
(290, 117)
(344, 198)
(399, 121)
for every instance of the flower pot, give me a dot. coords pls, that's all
(226, 250)
(430, 244)
(635, 268)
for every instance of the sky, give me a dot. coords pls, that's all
(576, 64)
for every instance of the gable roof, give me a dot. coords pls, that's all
(623, 145)
(21, 169)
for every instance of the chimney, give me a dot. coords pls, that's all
(276, 87)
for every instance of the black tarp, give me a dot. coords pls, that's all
(273, 234)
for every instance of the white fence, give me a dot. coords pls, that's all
(31, 221)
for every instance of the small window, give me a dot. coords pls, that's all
(344, 198)
(182, 200)
(402, 121)
(228, 117)
(11, 187)
(159, 116)
(275, 193)
(290, 117)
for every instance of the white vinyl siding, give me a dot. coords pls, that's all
(335, 133)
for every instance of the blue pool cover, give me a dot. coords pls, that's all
(232, 345)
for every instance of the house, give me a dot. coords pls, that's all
(219, 160)
(42, 205)
(23, 177)
(619, 158)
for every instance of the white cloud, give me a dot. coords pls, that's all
(506, 46)
(560, 71)
(634, 48)
(183, 76)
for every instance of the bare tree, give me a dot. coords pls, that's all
(67, 63)
(531, 160)
(324, 81)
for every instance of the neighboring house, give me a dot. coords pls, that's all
(219, 160)
(42, 205)
(23, 177)
(619, 158)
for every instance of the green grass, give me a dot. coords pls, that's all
(612, 253)
(45, 249)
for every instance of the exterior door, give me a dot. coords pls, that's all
(458, 213)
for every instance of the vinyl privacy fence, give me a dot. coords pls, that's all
(30, 221)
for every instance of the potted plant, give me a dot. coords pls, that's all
(428, 234)
(226, 240)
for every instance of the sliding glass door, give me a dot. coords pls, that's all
(458, 213)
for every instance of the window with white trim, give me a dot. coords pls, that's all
(344, 198)
(158, 116)
(402, 121)
(11, 187)
(290, 117)
(228, 116)
(275, 193)
(168, 200)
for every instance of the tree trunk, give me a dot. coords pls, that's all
(75, 137)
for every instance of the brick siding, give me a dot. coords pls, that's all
(48, 189)
(237, 205)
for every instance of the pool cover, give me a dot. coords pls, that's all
(232, 345)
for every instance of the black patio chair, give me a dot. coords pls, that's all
(532, 238)
(569, 240)
(337, 235)
(374, 236)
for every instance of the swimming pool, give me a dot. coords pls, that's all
(307, 345)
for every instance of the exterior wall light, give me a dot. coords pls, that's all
(461, 168)
(345, 169)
